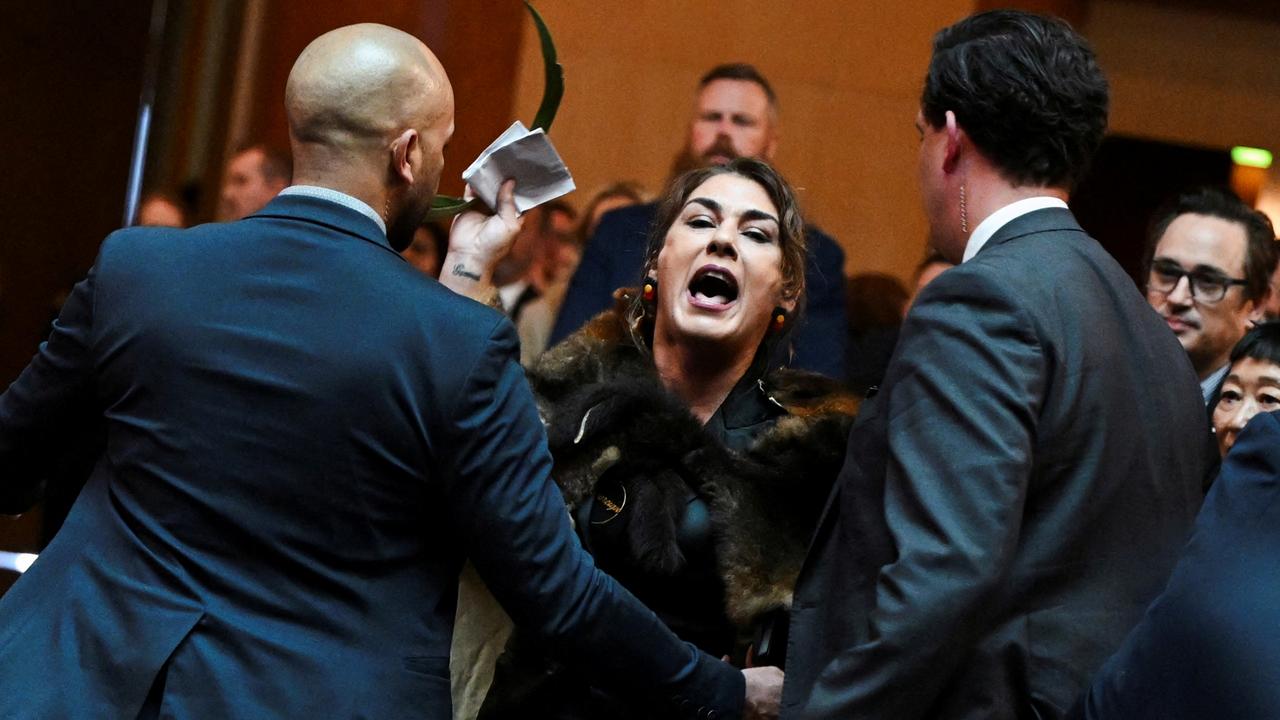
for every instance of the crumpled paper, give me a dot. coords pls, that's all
(530, 158)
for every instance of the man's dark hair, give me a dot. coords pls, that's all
(1025, 88)
(1260, 343)
(739, 71)
(1260, 237)
(276, 163)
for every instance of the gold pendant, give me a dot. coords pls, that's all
(611, 506)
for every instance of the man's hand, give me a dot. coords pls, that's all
(477, 242)
(764, 693)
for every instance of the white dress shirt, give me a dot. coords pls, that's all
(343, 199)
(1004, 216)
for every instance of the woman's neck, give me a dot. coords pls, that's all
(699, 375)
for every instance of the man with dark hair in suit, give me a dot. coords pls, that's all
(1018, 490)
(1209, 261)
(301, 454)
(735, 115)
(1209, 646)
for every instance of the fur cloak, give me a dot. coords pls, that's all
(606, 411)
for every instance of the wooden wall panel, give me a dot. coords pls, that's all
(1189, 76)
(847, 76)
(1073, 11)
(478, 41)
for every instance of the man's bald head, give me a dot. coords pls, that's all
(361, 85)
(370, 111)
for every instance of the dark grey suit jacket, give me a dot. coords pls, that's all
(305, 438)
(1011, 500)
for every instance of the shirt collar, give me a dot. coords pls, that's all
(341, 198)
(998, 219)
(743, 414)
(1209, 385)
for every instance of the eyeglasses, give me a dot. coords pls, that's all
(1207, 286)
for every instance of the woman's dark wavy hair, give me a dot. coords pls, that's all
(791, 232)
(1260, 343)
(1026, 89)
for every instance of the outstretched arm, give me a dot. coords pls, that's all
(53, 393)
(513, 524)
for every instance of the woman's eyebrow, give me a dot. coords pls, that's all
(708, 203)
(754, 214)
(715, 207)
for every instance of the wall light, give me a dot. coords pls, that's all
(1251, 157)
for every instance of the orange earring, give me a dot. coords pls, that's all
(650, 290)
(779, 319)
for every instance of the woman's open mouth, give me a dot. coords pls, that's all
(713, 288)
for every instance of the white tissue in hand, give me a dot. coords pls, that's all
(528, 157)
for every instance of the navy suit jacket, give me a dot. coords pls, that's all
(305, 438)
(614, 258)
(1011, 500)
(1209, 646)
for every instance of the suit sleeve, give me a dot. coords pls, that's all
(53, 394)
(516, 531)
(963, 396)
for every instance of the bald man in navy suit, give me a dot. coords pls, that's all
(305, 439)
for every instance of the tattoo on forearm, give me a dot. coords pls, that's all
(461, 271)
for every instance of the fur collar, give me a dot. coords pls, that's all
(605, 409)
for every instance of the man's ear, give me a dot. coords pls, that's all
(402, 159)
(1257, 312)
(955, 137)
(771, 146)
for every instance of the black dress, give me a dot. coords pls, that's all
(690, 599)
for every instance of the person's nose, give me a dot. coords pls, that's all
(1243, 414)
(722, 242)
(1181, 292)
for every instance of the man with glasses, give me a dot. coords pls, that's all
(1210, 259)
